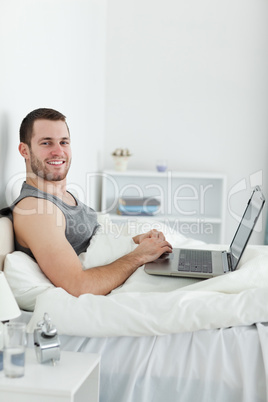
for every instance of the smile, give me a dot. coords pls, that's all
(56, 163)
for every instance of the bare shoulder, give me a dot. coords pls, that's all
(32, 206)
(36, 219)
(39, 225)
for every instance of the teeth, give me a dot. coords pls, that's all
(55, 163)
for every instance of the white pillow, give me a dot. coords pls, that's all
(27, 281)
(105, 248)
(6, 239)
(25, 278)
(23, 274)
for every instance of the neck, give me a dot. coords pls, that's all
(57, 188)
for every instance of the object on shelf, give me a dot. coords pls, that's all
(161, 165)
(138, 206)
(121, 157)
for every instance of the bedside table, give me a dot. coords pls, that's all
(75, 378)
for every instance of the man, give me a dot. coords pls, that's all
(46, 217)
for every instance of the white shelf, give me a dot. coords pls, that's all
(155, 173)
(185, 198)
(162, 217)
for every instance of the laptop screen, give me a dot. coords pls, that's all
(246, 226)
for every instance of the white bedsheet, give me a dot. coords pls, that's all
(213, 365)
(204, 366)
(148, 305)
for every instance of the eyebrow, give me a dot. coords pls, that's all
(52, 138)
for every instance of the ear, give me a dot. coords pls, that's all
(24, 150)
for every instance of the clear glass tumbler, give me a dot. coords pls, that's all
(14, 349)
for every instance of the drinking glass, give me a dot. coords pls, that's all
(14, 349)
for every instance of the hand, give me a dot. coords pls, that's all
(151, 248)
(151, 234)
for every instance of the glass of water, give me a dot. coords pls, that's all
(14, 349)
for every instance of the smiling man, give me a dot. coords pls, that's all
(47, 219)
(47, 150)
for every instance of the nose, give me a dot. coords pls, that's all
(57, 150)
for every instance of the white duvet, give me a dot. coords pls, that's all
(150, 305)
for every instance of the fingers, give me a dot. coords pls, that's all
(160, 238)
(163, 245)
(167, 247)
(152, 248)
(155, 233)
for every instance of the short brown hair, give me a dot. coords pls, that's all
(26, 128)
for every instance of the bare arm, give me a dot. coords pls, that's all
(43, 232)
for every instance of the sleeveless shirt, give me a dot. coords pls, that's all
(81, 220)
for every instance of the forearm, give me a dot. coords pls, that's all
(103, 279)
(65, 270)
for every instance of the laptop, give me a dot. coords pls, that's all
(195, 263)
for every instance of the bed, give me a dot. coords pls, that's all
(160, 339)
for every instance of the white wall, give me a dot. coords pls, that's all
(187, 81)
(53, 55)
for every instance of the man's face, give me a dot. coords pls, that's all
(50, 151)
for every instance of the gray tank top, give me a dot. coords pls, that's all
(81, 220)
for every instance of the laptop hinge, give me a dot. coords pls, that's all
(226, 261)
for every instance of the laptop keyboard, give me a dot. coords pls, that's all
(195, 261)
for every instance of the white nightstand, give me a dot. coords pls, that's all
(75, 378)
